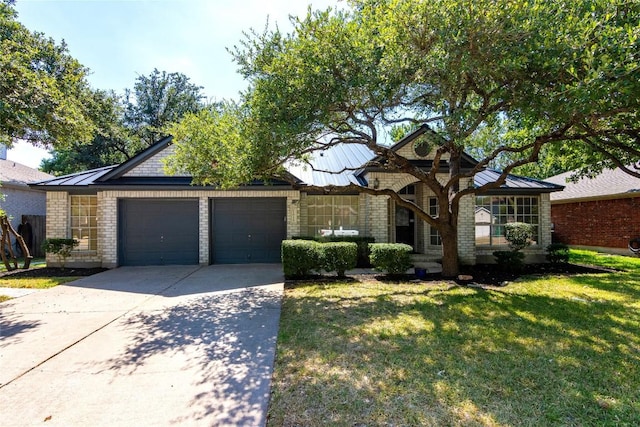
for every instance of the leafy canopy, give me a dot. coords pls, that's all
(503, 81)
(507, 82)
(127, 125)
(44, 94)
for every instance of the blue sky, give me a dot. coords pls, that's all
(119, 40)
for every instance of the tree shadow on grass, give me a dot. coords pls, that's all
(457, 356)
(227, 344)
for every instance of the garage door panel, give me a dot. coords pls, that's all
(248, 230)
(158, 231)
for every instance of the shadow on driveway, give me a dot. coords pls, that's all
(227, 339)
(183, 345)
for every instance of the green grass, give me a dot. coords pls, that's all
(543, 351)
(35, 263)
(34, 282)
(604, 260)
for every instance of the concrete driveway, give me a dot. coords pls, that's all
(183, 345)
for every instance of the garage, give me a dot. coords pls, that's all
(247, 230)
(158, 231)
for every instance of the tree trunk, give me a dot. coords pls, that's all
(450, 262)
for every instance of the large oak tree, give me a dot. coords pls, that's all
(44, 95)
(127, 125)
(503, 81)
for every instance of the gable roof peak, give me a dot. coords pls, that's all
(139, 158)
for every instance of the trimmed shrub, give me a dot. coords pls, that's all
(509, 260)
(518, 234)
(300, 258)
(557, 253)
(339, 256)
(60, 247)
(362, 242)
(392, 258)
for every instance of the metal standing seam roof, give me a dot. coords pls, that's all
(514, 182)
(79, 179)
(611, 183)
(339, 165)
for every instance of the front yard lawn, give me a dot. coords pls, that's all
(34, 282)
(556, 350)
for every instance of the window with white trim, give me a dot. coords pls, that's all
(333, 215)
(492, 212)
(434, 235)
(84, 222)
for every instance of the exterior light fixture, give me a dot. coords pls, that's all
(376, 183)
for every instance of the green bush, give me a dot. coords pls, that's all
(339, 256)
(510, 260)
(362, 242)
(392, 258)
(518, 234)
(300, 258)
(60, 247)
(557, 253)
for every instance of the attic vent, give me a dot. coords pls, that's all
(422, 147)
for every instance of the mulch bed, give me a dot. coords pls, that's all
(493, 275)
(52, 272)
(477, 275)
(480, 275)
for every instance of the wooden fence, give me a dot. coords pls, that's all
(35, 225)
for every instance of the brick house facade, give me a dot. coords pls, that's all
(601, 213)
(102, 208)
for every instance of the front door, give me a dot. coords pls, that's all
(405, 226)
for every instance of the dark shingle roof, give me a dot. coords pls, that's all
(13, 173)
(611, 183)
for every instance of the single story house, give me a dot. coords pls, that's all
(23, 203)
(600, 213)
(134, 214)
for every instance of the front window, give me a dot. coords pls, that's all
(492, 212)
(434, 234)
(333, 215)
(84, 222)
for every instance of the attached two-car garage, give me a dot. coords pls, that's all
(167, 231)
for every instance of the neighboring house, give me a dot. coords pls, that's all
(20, 200)
(134, 214)
(601, 213)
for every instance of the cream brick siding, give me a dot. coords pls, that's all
(153, 166)
(107, 252)
(467, 228)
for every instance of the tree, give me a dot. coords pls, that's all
(500, 80)
(126, 126)
(112, 142)
(43, 90)
(157, 100)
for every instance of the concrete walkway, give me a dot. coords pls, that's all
(175, 345)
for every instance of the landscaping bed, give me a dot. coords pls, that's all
(480, 275)
(52, 272)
